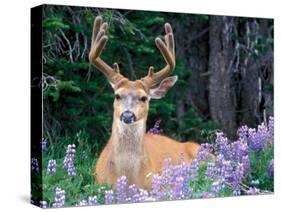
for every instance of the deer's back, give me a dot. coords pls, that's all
(160, 147)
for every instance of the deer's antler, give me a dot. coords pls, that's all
(167, 49)
(99, 40)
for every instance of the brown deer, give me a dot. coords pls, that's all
(130, 151)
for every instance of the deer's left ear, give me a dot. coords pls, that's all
(165, 85)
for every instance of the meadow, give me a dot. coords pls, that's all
(242, 167)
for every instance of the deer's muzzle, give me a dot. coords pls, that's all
(128, 117)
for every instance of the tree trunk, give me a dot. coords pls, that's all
(221, 93)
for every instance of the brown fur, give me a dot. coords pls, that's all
(137, 155)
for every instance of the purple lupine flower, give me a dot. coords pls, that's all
(43, 204)
(44, 144)
(243, 132)
(83, 203)
(271, 126)
(34, 165)
(143, 196)
(270, 168)
(121, 190)
(52, 167)
(224, 167)
(133, 195)
(187, 172)
(211, 171)
(179, 170)
(204, 152)
(167, 172)
(177, 190)
(237, 177)
(193, 169)
(156, 128)
(207, 195)
(238, 150)
(156, 187)
(221, 144)
(187, 190)
(68, 163)
(263, 132)
(109, 197)
(217, 186)
(246, 164)
(93, 200)
(218, 170)
(253, 191)
(59, 198)
(257, 139)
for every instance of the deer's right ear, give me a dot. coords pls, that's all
(164, 86)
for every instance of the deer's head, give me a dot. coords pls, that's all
(132, 98)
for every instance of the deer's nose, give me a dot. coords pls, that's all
(128, 117)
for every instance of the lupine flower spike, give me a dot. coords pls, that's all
(68, 163)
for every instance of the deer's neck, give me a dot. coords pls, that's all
(128, 147)
(128, 138)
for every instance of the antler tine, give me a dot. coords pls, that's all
(170, 38)
(99, 40)
(167, 50)
(96, 28)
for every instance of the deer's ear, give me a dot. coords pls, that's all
(163, 87)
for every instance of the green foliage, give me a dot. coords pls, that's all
(259, 166)
(200, 183)
(79, 96)
(195, 125)
(54, 23)
(54, 91)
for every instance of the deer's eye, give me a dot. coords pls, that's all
(143, 98)
(117, 97)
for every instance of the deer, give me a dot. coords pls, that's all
(130, 151)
